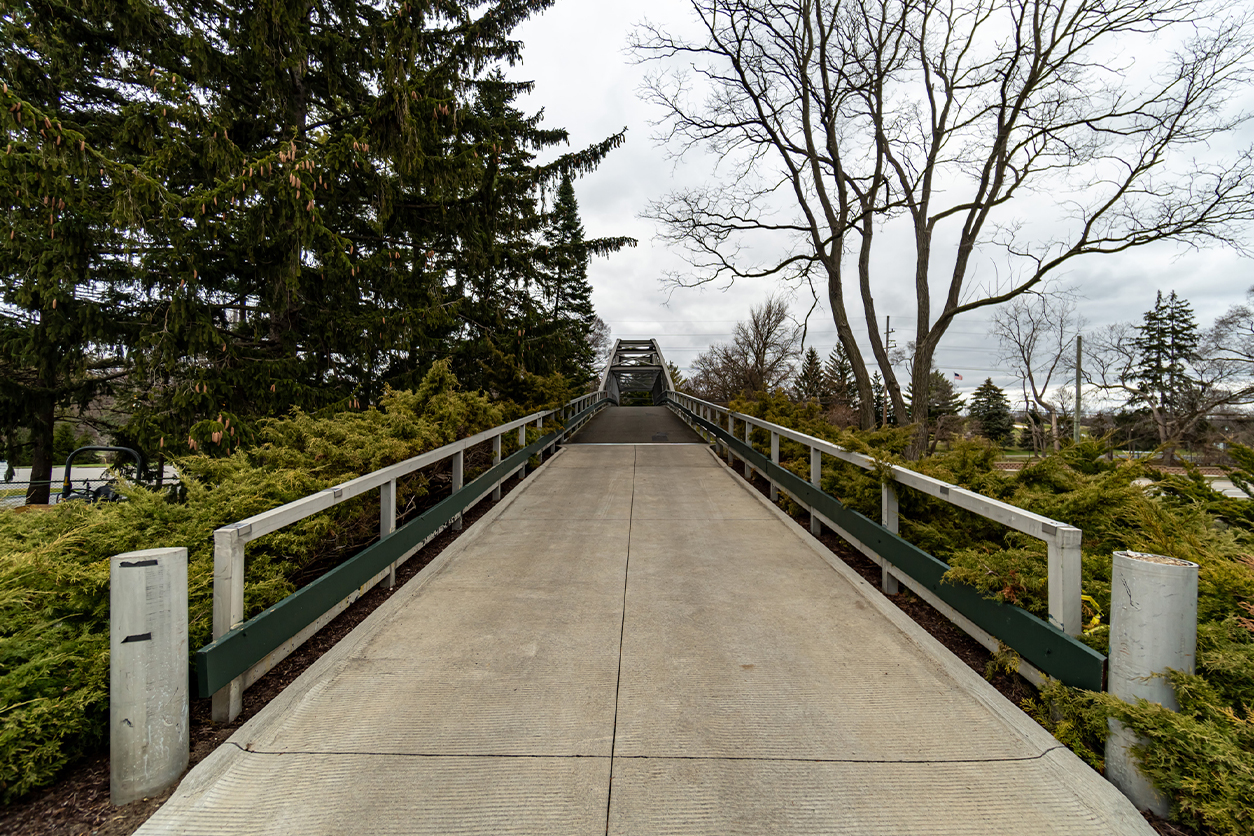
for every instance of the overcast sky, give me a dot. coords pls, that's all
(588, 83)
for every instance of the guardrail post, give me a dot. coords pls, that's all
(228, 611)
(1064, 579)
(890, 519)
(775, 460)
(522, 442)
(459, 465)
(816, 479)
(496, 459)
(1153, 627)
(148, 708)
(387, 520)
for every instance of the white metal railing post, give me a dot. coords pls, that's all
(228, 610)
(496, 459)
(387, 520)
(816, 479)
(774, 460)
(522, 442)
(459, 467)
(890, 519)
(148, 701)
(749, 444)
(1064, 578)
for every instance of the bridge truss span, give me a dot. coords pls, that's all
(636, 366)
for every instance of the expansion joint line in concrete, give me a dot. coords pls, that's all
(622, 629)
(612, 758)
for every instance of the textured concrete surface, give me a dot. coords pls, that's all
(636, 425)
(635, 643)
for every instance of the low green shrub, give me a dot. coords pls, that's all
(54, 564)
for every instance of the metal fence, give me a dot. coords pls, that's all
(13, 494)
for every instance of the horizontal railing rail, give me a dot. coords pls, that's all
(1062, 540)
(267, 638)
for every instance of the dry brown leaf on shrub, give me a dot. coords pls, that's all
(1247, 623)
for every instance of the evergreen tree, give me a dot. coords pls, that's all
(884, 413)
(943, 408)
(942, 400)
(811, 383)
(568, 295)
(67, 302)
(677, 377)
(1032, 436)
(283, 204)
(1165, 344)
(840, 379)
(991, 411)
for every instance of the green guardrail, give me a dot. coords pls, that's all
(227, 657)
(1039, 642)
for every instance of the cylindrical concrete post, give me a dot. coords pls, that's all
(148, 710)
(1153, 627)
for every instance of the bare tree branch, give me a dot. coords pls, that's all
(1011, 131)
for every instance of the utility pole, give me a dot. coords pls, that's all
(1075, 421)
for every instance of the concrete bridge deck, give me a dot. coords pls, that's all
(634, 642)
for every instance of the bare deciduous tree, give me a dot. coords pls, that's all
(1037, 333)
(1216, 376)
(599, 339)
(760, 357)
(1006, 130)
(1232, 337)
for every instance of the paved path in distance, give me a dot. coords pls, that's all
(635, 643)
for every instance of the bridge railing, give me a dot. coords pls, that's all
(242, 652)
(1062, 540)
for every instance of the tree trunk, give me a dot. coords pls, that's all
(861, 377)
(921, 389)
(41, 428)
(1160, 423)
(1053, 430)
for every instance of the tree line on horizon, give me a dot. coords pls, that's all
(1172, 378)
(223, 211)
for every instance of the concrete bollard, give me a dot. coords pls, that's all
(148, 709)
(1153, 627)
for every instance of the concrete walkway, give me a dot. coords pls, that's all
(636, 643)
(636, 425)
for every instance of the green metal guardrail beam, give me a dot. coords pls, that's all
(217, 663)
(1043, 645)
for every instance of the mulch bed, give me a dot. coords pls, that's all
(78, 803)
